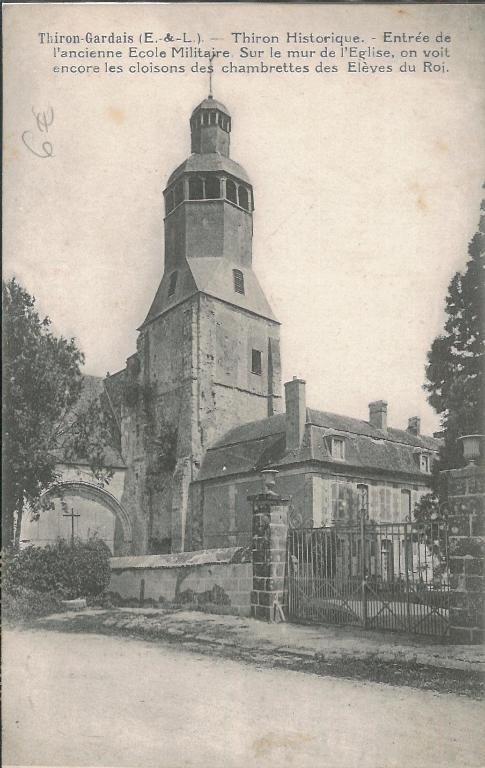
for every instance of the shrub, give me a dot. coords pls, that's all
(23, 603)
(81, 570)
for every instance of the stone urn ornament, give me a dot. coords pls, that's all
(472, 445)
(269, 481)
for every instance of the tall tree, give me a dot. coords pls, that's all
(456, 361)
(42, 383)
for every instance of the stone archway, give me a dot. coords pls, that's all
(94, 502)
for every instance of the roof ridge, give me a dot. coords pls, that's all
(379, 434)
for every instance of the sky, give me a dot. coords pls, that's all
(367, 186)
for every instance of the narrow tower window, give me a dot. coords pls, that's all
(212, 117)
(173, 283)
(212, 187)
(243, 198)
(256, 362)
(196, 188)
(169, 205)
(178, 193)
(238, 281)
(231, 191)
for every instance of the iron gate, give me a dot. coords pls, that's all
(391, 576)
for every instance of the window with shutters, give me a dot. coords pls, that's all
(342, 501)
(405, 505)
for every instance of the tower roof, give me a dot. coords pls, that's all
(210, 162)
(211, 103)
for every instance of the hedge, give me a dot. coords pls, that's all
(81, 570)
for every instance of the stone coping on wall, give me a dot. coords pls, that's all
(183, 559)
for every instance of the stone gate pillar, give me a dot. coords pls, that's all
(466, 547)
(269, 538)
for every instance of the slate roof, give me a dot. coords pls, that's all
(211, 103)
(213, 277)
(213, 161)
(93, 387)
(260, 444)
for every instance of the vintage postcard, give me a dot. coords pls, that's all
(243, 302)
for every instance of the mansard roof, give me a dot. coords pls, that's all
(213, 277)
(210, 162)
(259, 444)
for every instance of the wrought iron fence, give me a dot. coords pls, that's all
(391, 576)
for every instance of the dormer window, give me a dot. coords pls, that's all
(424, 462)
(173, 283)
(338, 448)
(238, 278)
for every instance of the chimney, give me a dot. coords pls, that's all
(295, 401)
(414, 425)
(378, 414)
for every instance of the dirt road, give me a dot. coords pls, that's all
(74, 699)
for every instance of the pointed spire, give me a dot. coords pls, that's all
(211, 70)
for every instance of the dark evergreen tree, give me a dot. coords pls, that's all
(456, 361)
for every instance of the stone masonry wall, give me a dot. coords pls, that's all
(466, 522)
(218, 587)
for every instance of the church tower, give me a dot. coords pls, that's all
(208, 355)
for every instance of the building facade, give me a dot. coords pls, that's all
(199, 406)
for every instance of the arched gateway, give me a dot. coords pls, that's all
(96, 513)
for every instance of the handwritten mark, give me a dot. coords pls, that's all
(43, 120)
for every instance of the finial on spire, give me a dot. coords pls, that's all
(211, 69)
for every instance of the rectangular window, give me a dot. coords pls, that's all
(363, 492)
(343, 501)
(405, 505)
(338, 448)
(256, 362)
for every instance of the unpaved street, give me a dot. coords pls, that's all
(73, 699)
